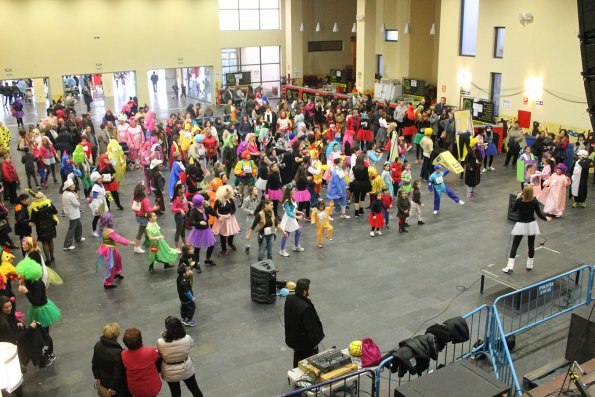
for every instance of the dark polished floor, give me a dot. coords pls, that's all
(384, 287)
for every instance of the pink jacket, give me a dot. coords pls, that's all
(179, 205)
(135, 137)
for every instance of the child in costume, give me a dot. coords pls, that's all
(302, 195)
(109, 179)
(245, 171)
(416, 203)
(321, 218)
(580, 176)
(42, 310)
(159, 250)
(180, 207)
(387, 179)
(289, 222)
(315, 169)
(201, 235)
(376, 182)
(7, 275)
(437, 185)
(43, 215)
(82, 164)
(108, 253)
(375, 218)
(176, 175)
(403, 207)
(396, 169)
(117, 158)
(98, 203)
(387, 205)
(21, 217)
(337, 188)
(553, 195)
(135, 138)
(31, 250)
(185, 293)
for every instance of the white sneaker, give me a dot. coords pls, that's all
(492, 169)
(82, 239)
(483, 170)
(435, 212)
(139, 250)
(69, 248)
(284, 253)
(345, 216)
(95, 234)
(298, 248)
(371, 234)
(461, 202)
(379, 233)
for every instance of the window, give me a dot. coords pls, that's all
(499, 33)
(468, 31)
(495, 87)
(263, 64)
(325, 45)
(391, 35)
(249, 14)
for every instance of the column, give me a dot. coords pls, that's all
(56, 87)
(142, 87)
(107, 81)
(366, 40)
(39, 91)
(294, 40)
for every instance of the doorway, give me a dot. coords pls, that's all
(32, 91)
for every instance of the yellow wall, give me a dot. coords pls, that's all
(327, 12)
(55, 37)
(547, 49)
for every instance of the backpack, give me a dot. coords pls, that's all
(370, 353)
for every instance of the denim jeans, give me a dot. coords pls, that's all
(265, 243)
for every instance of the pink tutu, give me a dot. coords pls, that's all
(226, 227)
(275, 195)
(301, 195)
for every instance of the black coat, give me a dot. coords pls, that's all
(472, 169)
(107, 366)
(303, 329)
(582, 187)
(45, 225)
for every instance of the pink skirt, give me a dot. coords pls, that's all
(275, 195)
(301, 195)
(226, 227)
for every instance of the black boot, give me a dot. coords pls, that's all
(405, 228)
(151, 268)
(361, 211)
(167, 266)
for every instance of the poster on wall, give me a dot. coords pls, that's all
(463, 121)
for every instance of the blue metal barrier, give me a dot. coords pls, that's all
(528, 307)
(360, 383)
(523, 309)
(592, 283)
(478, 321)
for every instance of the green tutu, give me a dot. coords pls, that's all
(45, 315)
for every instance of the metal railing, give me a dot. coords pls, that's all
(360, 383)
(478, 322)
(528, 307)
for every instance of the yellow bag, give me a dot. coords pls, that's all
(355, 348)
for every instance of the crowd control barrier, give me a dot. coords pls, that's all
(360, 383)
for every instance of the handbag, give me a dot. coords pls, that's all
(261, 184)
(136, 206)
(103, 391)
(106, 177)
(154, 248)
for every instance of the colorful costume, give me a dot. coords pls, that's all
(159, 250)
(553, 195)
(438, 186)
(322, 221)
(135, 138)
(337, 189)
(108, 255)
(116, 156)
(176, 175)
(42, 309)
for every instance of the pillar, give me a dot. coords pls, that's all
(142, 87)
(39, 91)
(56, 87)
(107, 80)
(294, 39)
(366, 40)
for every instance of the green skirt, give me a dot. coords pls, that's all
(45, 315)
(164, 254)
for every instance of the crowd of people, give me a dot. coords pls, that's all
(312, 160)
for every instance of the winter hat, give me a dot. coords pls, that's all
(95, 176)
(68, 184)
(583, 153)
(428, 131)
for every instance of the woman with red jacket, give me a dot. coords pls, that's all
(141, 206)
(409, 128)
(560, 146)
(140, 363)
(10, 179)
(107, 171)
(211, 144)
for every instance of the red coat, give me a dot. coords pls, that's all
(352, 123)
(210, 143)
(141, 371)
(9, 172)
(396, 171)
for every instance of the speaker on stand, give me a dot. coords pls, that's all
(263, 282)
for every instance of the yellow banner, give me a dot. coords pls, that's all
(447, 160)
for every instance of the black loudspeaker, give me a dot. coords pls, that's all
(263, 282)
(586, 19)
(580, 345)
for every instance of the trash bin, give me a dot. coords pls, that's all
(263, 282)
